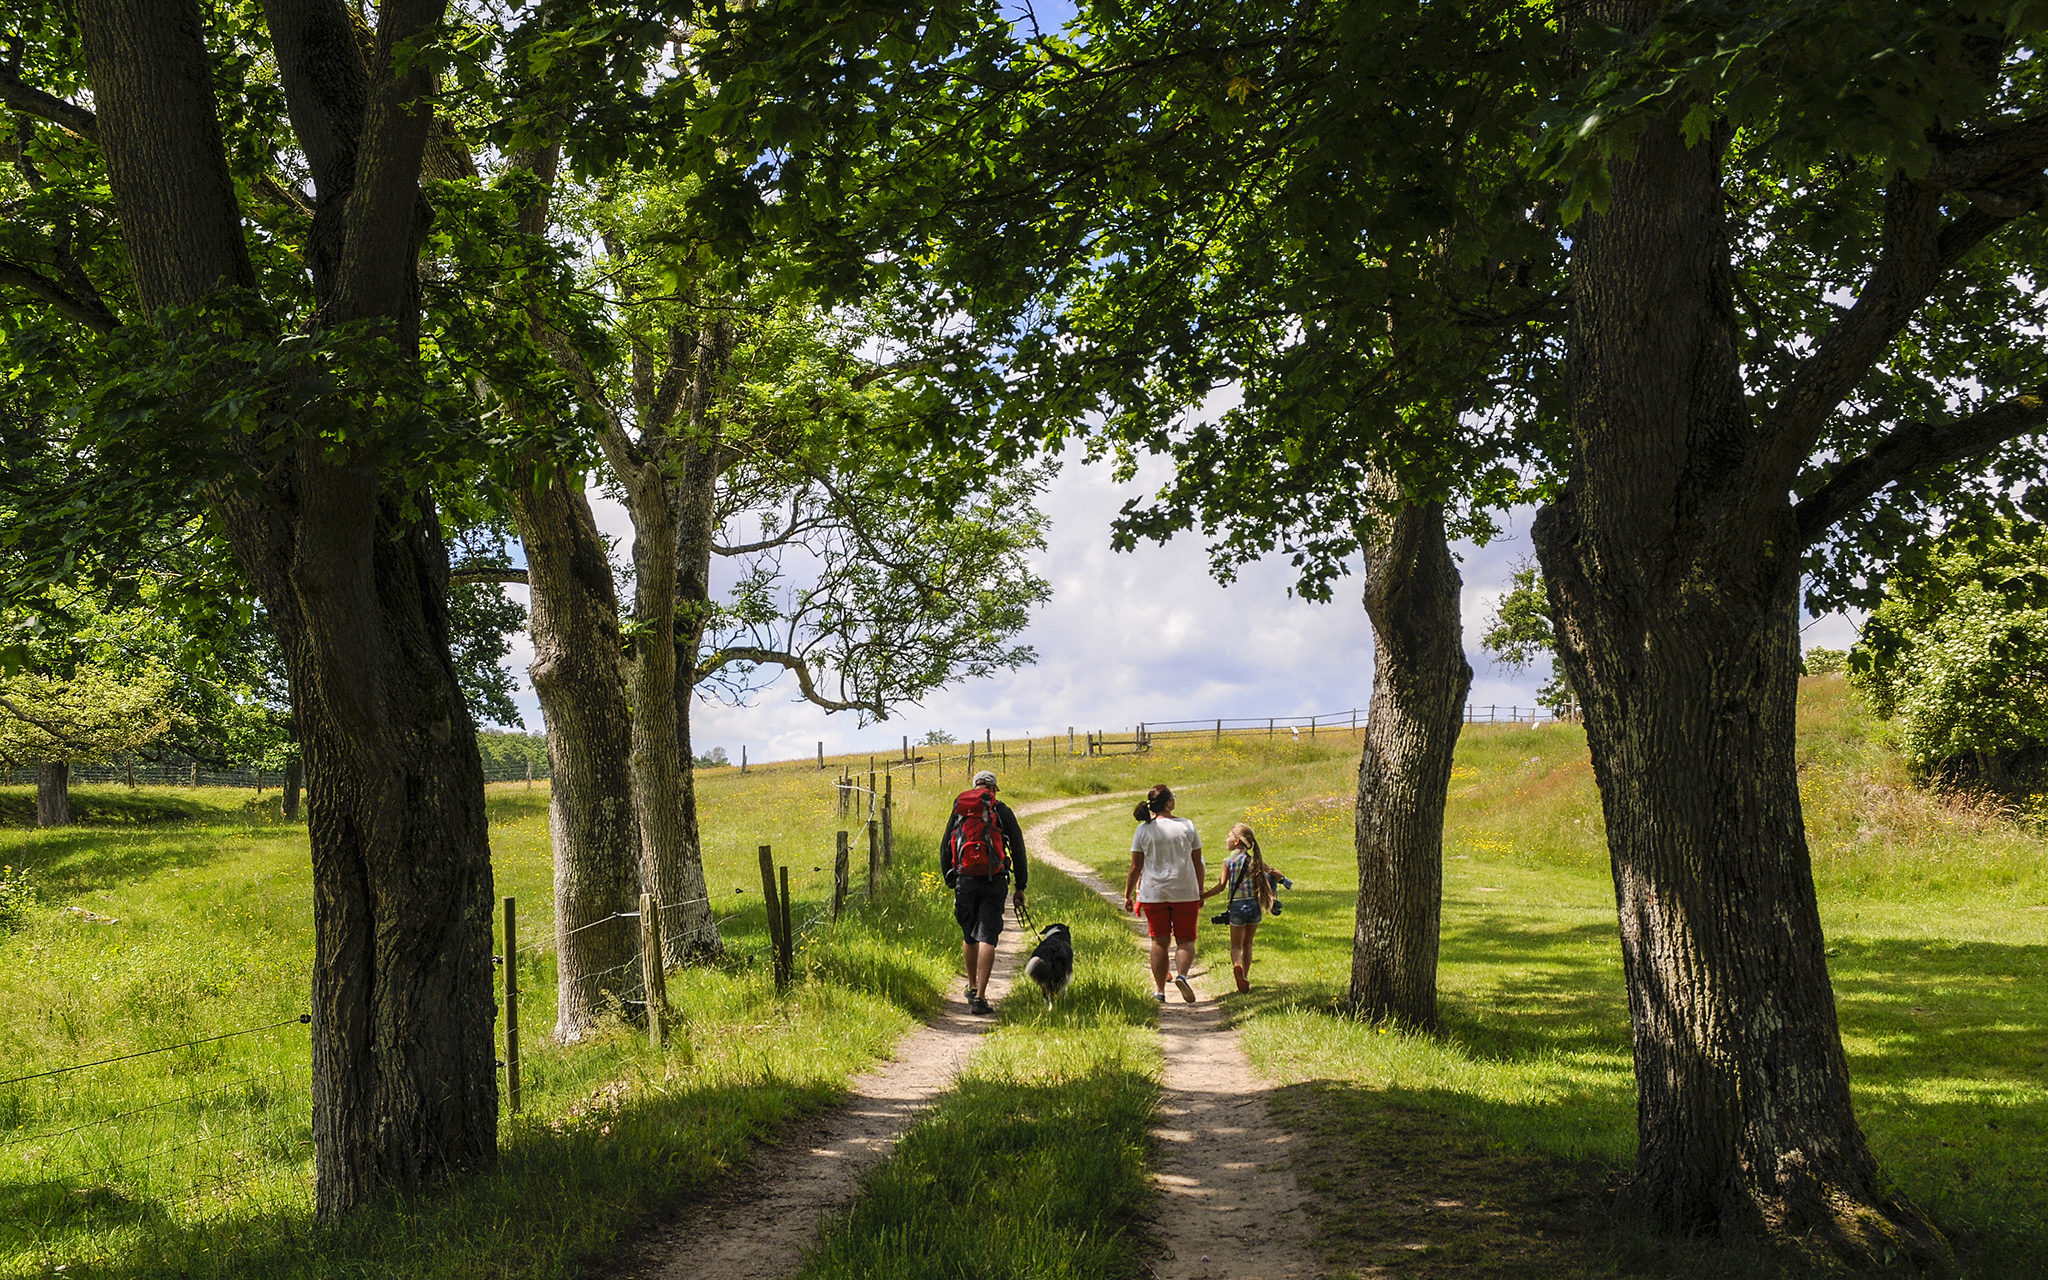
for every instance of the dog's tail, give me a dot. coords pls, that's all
(1034, 969)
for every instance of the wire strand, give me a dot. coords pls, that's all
(228, 1035)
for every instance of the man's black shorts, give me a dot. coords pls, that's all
(978, 906)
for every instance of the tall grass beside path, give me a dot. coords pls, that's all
(1936, 914)
(194, 917)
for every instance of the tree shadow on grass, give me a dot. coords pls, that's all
(112, 807)
(75, 860)
(561, 1197)
(1416, 1184)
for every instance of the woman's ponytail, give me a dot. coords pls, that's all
(1154, 803)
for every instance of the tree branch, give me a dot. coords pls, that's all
(789, 662)
(468, 575)
(47, 106)
(1993, 160)
(1914, 448)
(89, 312)
(1918, 248)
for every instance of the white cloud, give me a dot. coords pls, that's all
(1145, 635)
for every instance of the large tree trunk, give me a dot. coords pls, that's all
(1420, 678)
(53, 794)
(693, 496)
(354, 578)
(672, 867)
(575, 626)
(1674, 576)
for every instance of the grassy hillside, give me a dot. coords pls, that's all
(173, 916)
(1937, 921)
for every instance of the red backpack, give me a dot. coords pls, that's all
(978, 835)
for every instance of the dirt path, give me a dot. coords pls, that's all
(1229, 1205)
(758, 1227)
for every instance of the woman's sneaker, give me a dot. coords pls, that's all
(1187, 990)
(971, 993)
(1160, 996)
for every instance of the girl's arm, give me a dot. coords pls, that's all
(1131, 880)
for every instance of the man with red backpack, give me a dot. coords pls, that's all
(981, 846)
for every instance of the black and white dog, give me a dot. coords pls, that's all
(1051, 965)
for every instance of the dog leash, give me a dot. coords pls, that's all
(1024, 917)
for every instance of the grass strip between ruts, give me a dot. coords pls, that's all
(1035, 1166)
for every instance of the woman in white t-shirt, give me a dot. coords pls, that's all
(1165, 883)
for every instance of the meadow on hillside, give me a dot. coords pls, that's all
(172, 916)
(1936, 914)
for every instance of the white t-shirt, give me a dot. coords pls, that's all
(1169, 846)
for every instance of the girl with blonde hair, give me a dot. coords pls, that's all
(1247, 883)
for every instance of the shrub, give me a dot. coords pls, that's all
(17, 895)
(1823, 662)
(1957, 653)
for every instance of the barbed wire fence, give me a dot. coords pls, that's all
(73, 1138)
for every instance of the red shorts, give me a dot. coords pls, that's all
(1179, 917)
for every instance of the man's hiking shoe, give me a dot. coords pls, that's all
(971, 993)
(1243, 983)
(1187, 992)
(980, 1006)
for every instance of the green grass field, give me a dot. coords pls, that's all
(1937, 920)
(172, 916)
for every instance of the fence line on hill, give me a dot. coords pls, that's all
(1077, 743)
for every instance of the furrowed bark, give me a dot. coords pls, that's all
(574, 621)
(693, 497)
(404, 1084)
(53, 794)
(1420, 678)
(672, 866)
(1676, 588)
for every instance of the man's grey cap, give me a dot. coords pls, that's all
(986, 779)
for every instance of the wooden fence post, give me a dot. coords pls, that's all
(970, 760)
(821, 757)
(743, 758)
(989, 741)
(512, 1004)
(1027, 755)
(874, 857)
(653, 982)
(871, 786)
(888, 820)
(841, 873)
(774, 914)
(788, 941)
